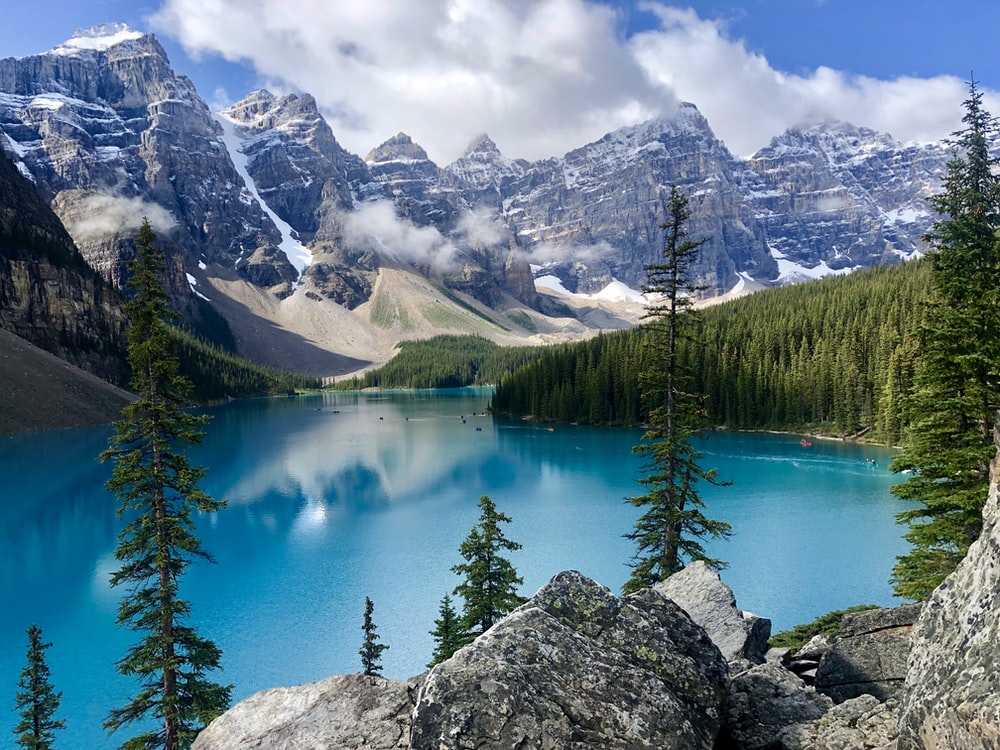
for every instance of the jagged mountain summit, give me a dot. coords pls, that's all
(304, 246)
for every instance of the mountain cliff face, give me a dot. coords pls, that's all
(108, 131)
(262, 195)
(49, 296)
(843, 196)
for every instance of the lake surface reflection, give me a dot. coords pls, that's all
(336, 497)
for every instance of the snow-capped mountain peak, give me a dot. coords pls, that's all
(98, 38)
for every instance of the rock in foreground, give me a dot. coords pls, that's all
(741, 637)
(869, 655)
(346, 712)
(952, 692)
(577, 667)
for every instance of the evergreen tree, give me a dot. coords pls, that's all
(449, 635)
(371, 649)
(36, 700)
(489, 588)
(158, 493)
(956, 394)
(672, 522)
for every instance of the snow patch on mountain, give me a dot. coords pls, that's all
(193, 283)
(17, 152)
(790, 272)
(616, 291)
(298, 254)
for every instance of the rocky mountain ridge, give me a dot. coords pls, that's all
(262, 198)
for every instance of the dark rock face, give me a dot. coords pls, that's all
(49, 296)
(577, 667)
(740, 636)
(843, 196)
(603, 204)
(347, 712)
(870, 654)
(952, 694)
(763, 701)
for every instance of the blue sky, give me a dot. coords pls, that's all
(544, 76)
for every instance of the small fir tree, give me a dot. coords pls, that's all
(489, 586)
(672, 523)
(953, 404)
(36, 699)
(371, 649)
(158, 493)
(449, 635)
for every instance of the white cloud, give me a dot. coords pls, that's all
(540, 76)
(554, 252)
(483, 228)
(747, 102)
(101, 215)
(377, 224)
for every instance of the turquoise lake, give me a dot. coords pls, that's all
(335, 497)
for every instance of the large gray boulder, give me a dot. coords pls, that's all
(699, 591)
(346, 712)
(763, 701)
(869, 655)
(862, 723)
(577, 667)
(952, 693)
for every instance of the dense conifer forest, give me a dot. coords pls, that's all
(831, 356)
(445, 362)
(217, 374)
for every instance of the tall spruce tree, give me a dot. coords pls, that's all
(672, 523)
(158, 493)
(490, 581)
(953, 404)
(36, 698)
(449, 635)
(371, 650)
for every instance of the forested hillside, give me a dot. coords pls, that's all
(831, 356)
(446, 362)
(217, 374)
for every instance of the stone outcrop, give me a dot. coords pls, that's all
(765, 700)
(862, 723)
(952, 693)
(805, 661)
(346, 712)
(741, 636)
(577, 667)
(869, 655)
